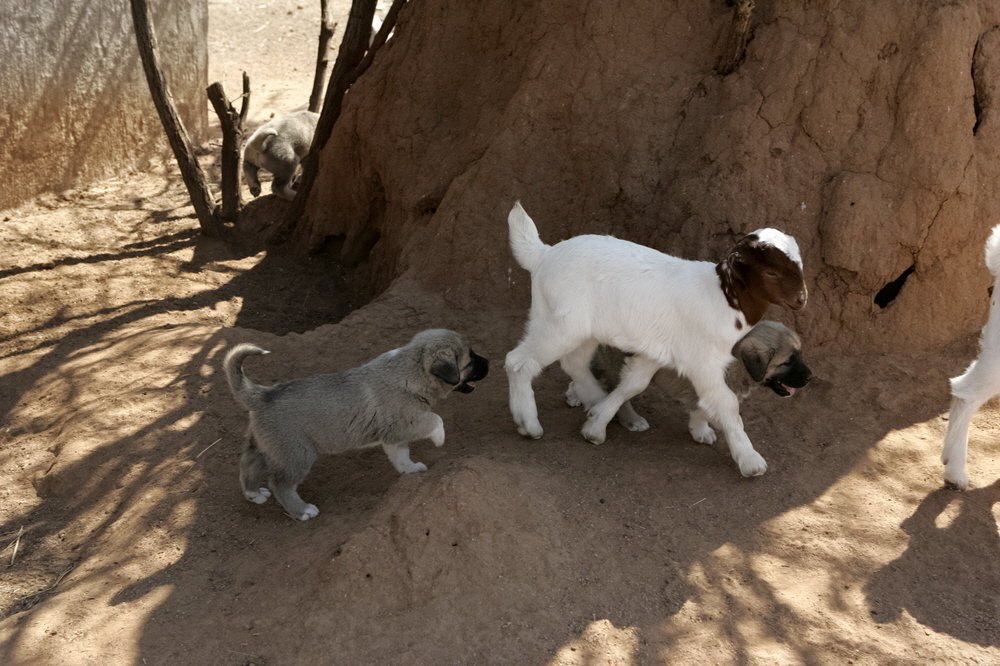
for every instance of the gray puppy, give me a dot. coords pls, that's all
(278, 146)
(385, 402)
(771, 355)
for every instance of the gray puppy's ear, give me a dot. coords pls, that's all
(756, 356)
(446, 369)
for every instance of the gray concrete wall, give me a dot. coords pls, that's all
(74, 103)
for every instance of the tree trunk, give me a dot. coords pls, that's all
(191, 172)
(232, 126)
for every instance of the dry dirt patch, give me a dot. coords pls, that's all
(120, 443)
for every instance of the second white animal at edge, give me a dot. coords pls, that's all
(979, 383)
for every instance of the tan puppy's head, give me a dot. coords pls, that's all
(771, 353)
(447, 356)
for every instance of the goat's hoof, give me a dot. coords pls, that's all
(956, 480)
(594, 433)
(531, 431)
(752, 465)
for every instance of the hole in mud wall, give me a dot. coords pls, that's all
(890, 291)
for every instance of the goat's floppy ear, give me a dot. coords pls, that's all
(755, 355)
(446, 369)
(737, 260)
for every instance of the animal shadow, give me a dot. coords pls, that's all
(948, 577)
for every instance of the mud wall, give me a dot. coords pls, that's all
(865, 129)
(74, 103)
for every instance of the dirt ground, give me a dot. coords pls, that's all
(125, 539)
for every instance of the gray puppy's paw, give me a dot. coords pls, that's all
(309, 512)
(437, 436)
(258, 496)
(572, 399)
(702, 433)
(635, 424)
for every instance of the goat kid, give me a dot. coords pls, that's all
(662, 310)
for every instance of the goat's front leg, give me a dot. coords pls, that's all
(718, 402)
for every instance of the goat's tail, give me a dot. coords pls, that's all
(993, 252)
(245, 391)
(527, 247)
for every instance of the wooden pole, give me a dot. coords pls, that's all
(191, 172)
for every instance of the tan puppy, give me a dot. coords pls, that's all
(770, 355)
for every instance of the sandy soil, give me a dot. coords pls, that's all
(125, 540)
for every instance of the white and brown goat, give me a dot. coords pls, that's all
(662, 310)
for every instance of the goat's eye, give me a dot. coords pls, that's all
(770, 273)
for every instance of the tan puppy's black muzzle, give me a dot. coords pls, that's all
(479, 367)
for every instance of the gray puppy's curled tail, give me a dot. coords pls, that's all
(245, 391)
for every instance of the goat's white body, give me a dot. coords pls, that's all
(665, 310)
(635, 298)
(979, 383)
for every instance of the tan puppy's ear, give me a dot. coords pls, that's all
(445, 367)
(756, 354)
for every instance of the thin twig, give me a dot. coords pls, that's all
(208, 447)
(32, 599)
(698, 502)
(17, 543)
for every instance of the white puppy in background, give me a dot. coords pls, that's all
(979, 383)
(278, 146)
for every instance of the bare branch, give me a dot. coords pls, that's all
(245, 102)
(191, 172)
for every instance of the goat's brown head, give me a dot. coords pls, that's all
(764, 267)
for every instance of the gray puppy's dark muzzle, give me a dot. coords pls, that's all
(792, 377)
(480, 368)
